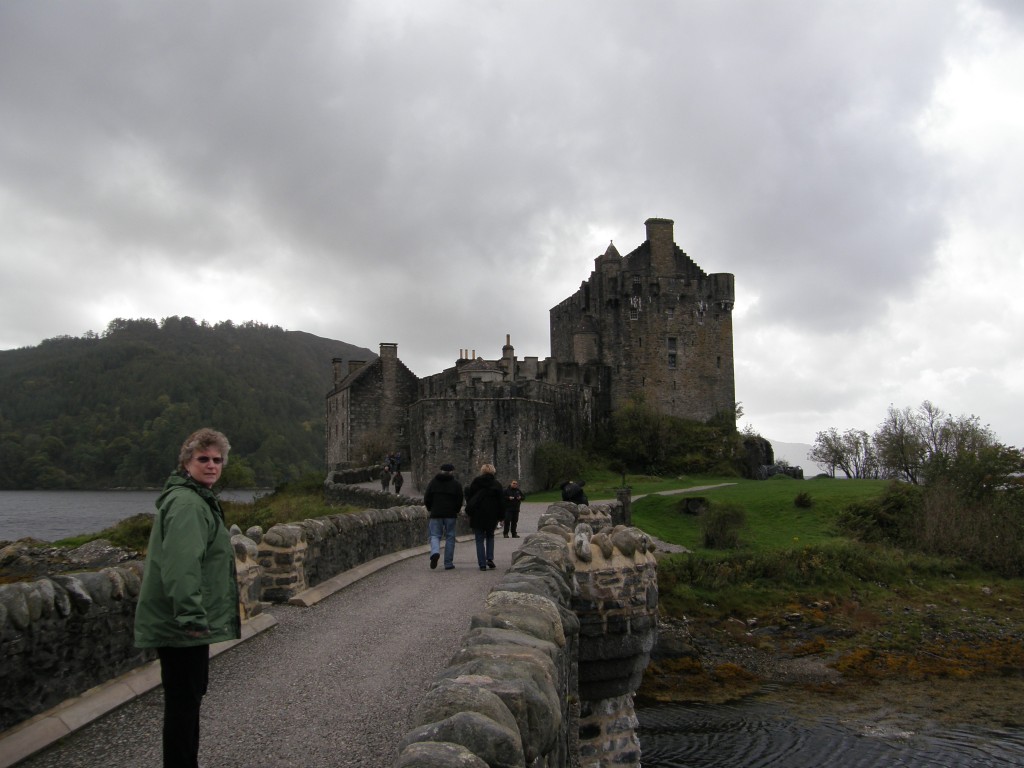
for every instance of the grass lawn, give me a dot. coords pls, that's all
(773, 519)
(602, 487)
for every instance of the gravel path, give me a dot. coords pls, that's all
(331, 685)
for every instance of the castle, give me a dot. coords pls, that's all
(650, 323)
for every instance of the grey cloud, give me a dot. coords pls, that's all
(434, 173)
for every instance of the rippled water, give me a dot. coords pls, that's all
(756, 733)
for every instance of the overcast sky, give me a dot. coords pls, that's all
(440, 174)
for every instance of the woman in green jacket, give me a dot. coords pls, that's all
(189, 595)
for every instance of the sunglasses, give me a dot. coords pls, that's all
(207, 459)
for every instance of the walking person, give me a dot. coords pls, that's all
(484, 505)
(512, 499)
(443, 500)
(398, 480)
(385, 477)
(189, 595)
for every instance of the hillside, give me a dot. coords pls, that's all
(111, 410)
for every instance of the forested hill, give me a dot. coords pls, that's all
(111, 410)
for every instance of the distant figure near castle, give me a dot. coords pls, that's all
(649, 323)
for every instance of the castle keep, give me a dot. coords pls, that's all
(650, 323)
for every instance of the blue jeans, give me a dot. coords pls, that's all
(484, 547)
(443, 527)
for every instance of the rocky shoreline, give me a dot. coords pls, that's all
(803, 667)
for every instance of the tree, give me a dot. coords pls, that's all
(921, 446)
(827, 450)
(555, 463)
(638, 435)
(900, 444)
(853, 452)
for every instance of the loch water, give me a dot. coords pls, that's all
(54, 515)
(756, 733)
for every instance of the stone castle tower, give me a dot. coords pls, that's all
(653, 324)
(649, 324)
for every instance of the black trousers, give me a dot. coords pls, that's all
(511, 521)
(185, 673)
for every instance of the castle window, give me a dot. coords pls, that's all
(634, 314)
(671, 343)
(671, 312)
(671, 360)
(637, 287)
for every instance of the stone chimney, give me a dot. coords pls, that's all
(508, 356)
(663, 246)
(355, 365)
(338, 364)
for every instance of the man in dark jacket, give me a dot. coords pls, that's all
(485, 507)
(513, 498)
(443, 499)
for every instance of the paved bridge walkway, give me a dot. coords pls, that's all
(334, 684)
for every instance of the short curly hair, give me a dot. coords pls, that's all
(488, 469)
(200, 440)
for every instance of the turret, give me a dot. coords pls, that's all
(723, 290)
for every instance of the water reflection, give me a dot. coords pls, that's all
(757, 733)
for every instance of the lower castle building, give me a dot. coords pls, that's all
(649, 324)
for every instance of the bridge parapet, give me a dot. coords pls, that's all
(546, 674)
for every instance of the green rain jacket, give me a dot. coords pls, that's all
(189, 579)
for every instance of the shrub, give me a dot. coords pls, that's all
(891, 518)
(803, 500)
(988, 531)
(722, 525)
(554, 463)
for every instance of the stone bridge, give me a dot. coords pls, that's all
(543, 676)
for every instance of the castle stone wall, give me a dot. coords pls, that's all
(498, 423)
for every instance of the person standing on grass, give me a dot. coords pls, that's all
(189, 594)
(385, 477)
(484, 504)
(398, 480)
(443, 500)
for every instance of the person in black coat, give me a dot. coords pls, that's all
(513, 498)
(573, 491)
(443, 500)
(485, 505)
